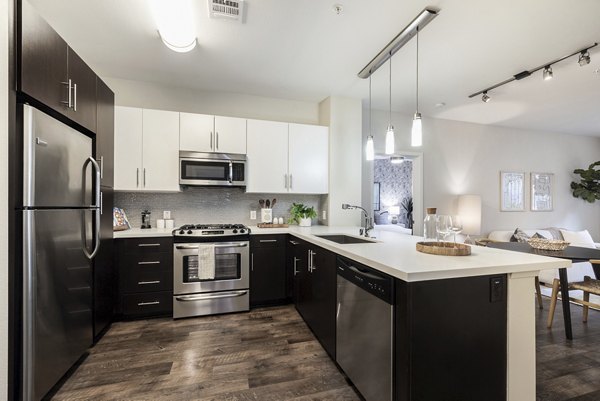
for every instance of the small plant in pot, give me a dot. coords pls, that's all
(302, 214)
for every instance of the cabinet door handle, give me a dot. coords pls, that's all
(149, 282)
(312, 262)
(211, 140)
(101, 162)
(268, 240)
(74, 97)
(137, 177)
(252, 261)
(295, 264)
(144, 177)
(294, 242)
(156, 262)
(143, 245)
(148, 303)
(69, 98)
(291, 185)
(217, 141)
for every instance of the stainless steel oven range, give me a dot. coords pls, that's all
(226, 288)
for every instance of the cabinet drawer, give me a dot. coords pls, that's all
(146, 245)
(268, 240)
(151, 303)
(149, 281)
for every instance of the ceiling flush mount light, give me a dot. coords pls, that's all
(338, 9)
(370, 150)
(389, 136)
(584, 59)
(397, 159)
(416, 137)
(485, 97)
(175, 22)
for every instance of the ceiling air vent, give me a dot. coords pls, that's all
(226, 9)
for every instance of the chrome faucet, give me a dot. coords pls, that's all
(368, 226)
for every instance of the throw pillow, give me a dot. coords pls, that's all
(555, 231)
(519, 236)
(578, 238)
(538, 235)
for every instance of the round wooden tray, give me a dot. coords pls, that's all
(444, 248)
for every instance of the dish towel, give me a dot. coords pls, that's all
(206, 262)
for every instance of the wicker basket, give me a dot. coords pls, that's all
(548, 244)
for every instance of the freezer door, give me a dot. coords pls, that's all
(57, 296)
(54, 159)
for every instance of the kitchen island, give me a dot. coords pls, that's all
(463, 281)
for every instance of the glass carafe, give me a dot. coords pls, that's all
(429, 228)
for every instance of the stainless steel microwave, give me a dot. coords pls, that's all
(212, 169)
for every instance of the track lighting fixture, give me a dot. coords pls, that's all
(389, 135)
(485, 97)
(584, 59)
(370, 149)
(416, 137)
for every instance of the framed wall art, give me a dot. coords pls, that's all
(512, 191)
(542, 199)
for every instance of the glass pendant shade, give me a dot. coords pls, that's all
(389, 141)
(370, 150)
(416, 138)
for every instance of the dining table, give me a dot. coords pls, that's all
(575, 254)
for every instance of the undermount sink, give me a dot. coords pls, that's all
(345, 239)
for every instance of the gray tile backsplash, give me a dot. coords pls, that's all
(208, 205)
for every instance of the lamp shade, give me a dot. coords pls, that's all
(469, 209)
(394, 210)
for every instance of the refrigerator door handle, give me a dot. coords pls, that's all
(96, 206)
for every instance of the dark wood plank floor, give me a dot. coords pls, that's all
(265, 355)
(270, 355)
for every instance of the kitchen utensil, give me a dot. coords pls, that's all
(268, 203)
(261, 202)
(273, 203)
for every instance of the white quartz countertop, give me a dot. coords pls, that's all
(396, 254)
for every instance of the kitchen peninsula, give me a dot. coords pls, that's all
(457, 319)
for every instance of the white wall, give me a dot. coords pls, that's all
(4, 199)
(344, 118)
(466, 158)
(159, 96)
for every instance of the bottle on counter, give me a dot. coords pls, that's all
(429, 225)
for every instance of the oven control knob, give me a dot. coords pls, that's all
(181, 232)
(235, 231)
(242, 231)
(189, 232)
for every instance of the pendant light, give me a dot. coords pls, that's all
(416, 138)
(370, 150)
(389, 136)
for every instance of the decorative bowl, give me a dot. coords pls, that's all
(548, 244)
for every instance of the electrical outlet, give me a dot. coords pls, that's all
(166, 214)
(324, 214)
(252, 214)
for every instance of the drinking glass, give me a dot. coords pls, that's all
(442, 225)
(456, 226)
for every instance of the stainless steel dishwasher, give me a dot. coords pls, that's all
(364, 336)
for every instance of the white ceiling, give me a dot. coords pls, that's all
(302, 50)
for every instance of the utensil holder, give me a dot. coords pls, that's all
(266, 215)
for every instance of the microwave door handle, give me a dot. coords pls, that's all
(230, 172)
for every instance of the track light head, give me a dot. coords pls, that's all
(485, 97)
(584, 58)
(548, 73)
(397, 159)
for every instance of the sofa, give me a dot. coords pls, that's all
(546, 277)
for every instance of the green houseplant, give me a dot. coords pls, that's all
(301, 214)
(589, 186)
(407, 205)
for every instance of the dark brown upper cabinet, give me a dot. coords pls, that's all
(53, 73)
(105, 138)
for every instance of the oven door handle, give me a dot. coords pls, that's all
(205, 297)
(240, 245)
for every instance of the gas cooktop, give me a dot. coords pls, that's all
(211, 230)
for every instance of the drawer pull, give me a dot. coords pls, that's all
(148, 282)
(144, 245)
(268, 240)
(149, 263)
(148, 303)
(294, 242)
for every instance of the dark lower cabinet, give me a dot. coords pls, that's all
(104, 275)
(315, 286)
(145, 271)
(451, 339)
(267, 270)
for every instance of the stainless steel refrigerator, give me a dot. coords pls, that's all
(61, 196)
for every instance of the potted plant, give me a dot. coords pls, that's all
(302, 214)
(588, 188)
(407, 205)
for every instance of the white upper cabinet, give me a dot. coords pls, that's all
(267, 157)
(146, 150)
(196, 132)
(287, 158)
(205, 133)
(128, 148)
(308, 159)
(160, 151)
